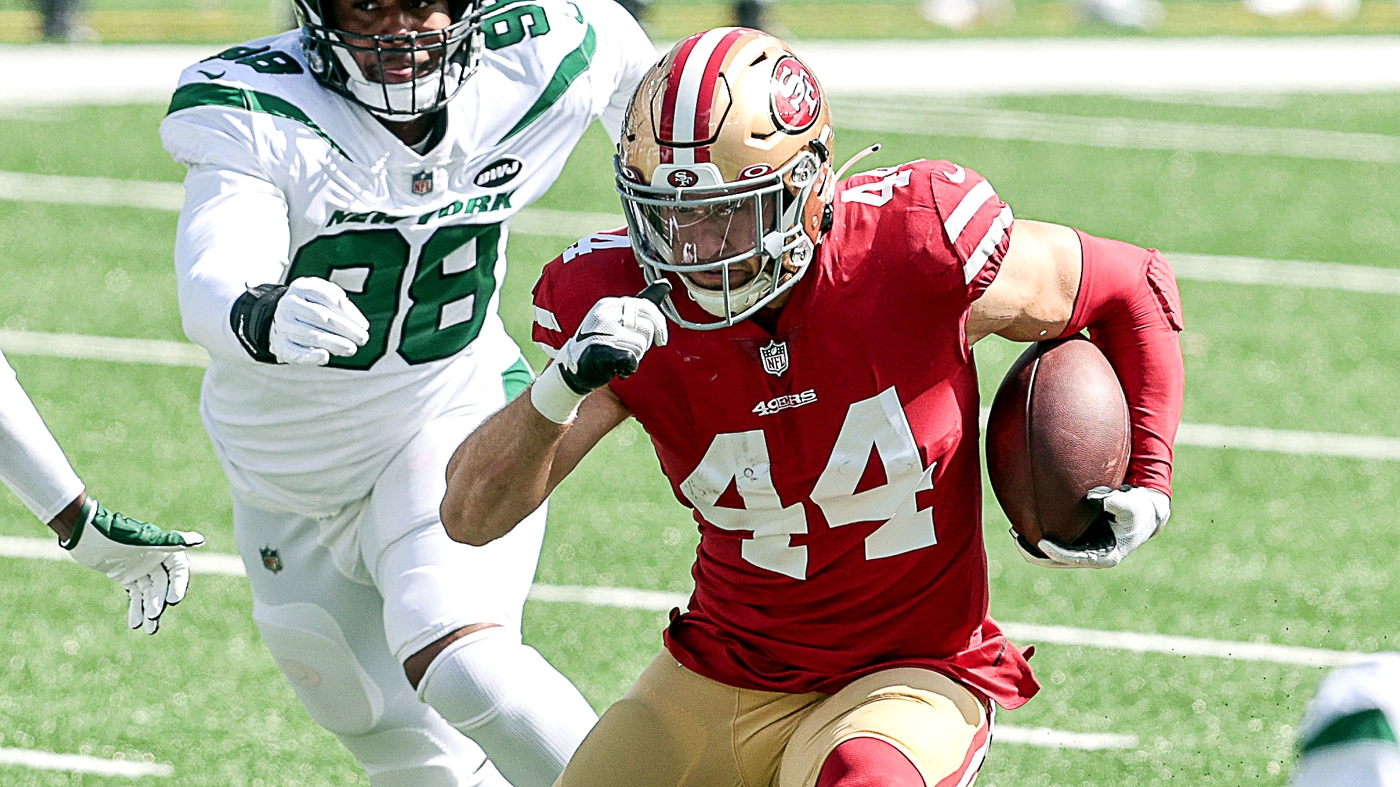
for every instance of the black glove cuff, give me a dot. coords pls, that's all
(251, 320)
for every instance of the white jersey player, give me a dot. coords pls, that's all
(146, 560)
(340, 255)
(1348, 735)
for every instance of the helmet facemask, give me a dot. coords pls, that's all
(441, 60)
(702, 232)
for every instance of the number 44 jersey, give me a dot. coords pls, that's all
(830, 457)
(288, 179)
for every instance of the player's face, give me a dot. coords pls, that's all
(399, 61)
(716, 232)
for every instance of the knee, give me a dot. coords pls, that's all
(415, 666)
(868, 762)
(477, 675)
(313, 653)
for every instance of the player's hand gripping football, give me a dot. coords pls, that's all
(146, 560)
(609, 343)
(1134, 514)
(315, 320)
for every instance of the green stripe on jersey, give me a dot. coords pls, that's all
(1366, 725)
(516, 379)
(570, 68)
(211, 95)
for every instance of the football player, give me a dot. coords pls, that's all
(149, 562)
(809, 387)
(340, 254)
(1348, 734)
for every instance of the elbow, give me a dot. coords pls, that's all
(476, 525)
(465, 529)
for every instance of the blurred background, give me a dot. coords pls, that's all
(167, 21)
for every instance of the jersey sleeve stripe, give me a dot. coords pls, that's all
(988, 245)
(213, 95)
(570, 68)
(546, 319)
(967, 208)
(547, 350)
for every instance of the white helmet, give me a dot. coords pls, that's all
(454, 54)
(732, 133)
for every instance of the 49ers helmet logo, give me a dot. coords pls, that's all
(682, 178)
(796, 100)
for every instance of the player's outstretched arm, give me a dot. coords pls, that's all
(148, 561)
(506, 468)
(142, 558)
(1056, 281)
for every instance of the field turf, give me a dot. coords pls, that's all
(1288, 549)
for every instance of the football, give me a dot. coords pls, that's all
(1058, 428)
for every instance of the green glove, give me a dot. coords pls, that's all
(146, 560)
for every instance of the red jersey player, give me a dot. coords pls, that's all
(810, 391)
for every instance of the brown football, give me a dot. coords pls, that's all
(1058, 428)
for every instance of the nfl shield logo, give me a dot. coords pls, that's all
(775, 358)
(422, 183)
(271, 560)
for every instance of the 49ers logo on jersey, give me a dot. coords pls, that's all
(796, 100)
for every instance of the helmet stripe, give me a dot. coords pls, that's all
(686, 111)
(668, 104)
(705, 101)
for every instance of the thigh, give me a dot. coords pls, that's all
(675, 728)
(936, 722)
(431, 584)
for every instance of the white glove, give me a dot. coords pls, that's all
(1135, 514)
(146, 560)
(610, 342)
(315, 320)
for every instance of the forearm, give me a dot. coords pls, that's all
(1129, 303)
(500, 473)
(31, 462)
(233, 233)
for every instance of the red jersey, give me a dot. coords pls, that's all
(831, 464)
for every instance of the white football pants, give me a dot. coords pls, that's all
(340, 633)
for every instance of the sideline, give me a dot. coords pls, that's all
(88, 74)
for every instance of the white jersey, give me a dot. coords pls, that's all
(287, 178)
(1348, 734)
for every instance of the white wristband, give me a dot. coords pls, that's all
(553, 397)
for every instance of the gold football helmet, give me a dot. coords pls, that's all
(726, 155)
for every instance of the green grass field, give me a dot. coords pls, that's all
(1288, 549)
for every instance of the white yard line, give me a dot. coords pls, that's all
(1115, 132)
(1059, 739)
(1245, 438)
(79, 763)
(662, 601)
(156, 195)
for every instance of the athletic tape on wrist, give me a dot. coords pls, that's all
(553, 397)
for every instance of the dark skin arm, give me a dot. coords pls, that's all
(67, 519)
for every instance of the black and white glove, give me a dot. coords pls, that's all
(1134, 514)
(609, 343)
(304, 323)
(146, 560)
